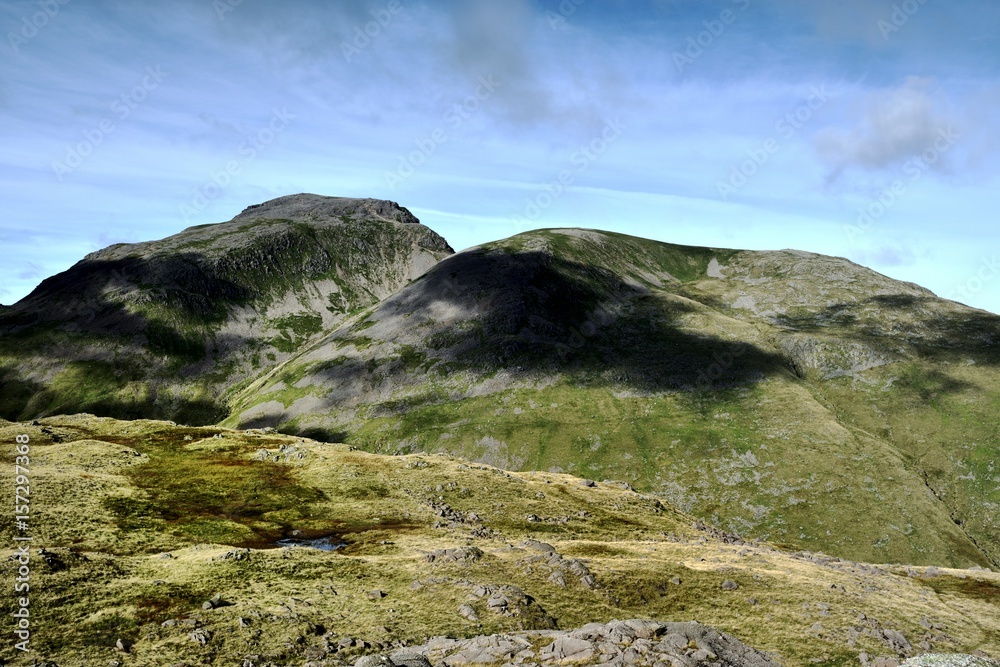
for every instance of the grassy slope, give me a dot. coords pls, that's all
(109, 496)
(613, 386)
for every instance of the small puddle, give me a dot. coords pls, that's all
(329, 543)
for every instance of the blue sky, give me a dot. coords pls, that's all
(865, 128)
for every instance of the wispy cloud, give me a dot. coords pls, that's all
(355, 117)
(896, 124)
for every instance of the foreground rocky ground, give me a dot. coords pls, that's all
(158, 544)
(631, 642)
(635, 642)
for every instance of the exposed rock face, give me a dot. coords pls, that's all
(638, 643)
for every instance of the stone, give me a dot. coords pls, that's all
(460, 554)
(568, 648)
(646, 629)
(895, 640)
(672, 641)
(886, 662)
(535, 545)
(373, 661)
(467, 612)
(376, 594)
(214, 602)
(409, 659)
(497, 602)
(200, 637)
(729, 585)
(703, 655)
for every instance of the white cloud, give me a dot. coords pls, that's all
(896, 125)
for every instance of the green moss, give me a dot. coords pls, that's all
(411, 357)
(302, 325)
(165, 339)
(360, 342)
(212, 495)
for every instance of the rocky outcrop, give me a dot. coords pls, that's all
(950, 660)
(631, 643)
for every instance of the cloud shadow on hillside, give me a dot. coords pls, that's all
(974, 332)
(75, 312)
(532, 315)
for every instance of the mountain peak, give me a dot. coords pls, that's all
(305, 206)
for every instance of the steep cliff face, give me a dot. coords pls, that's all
(165, 328)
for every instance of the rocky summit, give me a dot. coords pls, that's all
(315, 434)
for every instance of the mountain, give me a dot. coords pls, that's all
(783, 395)
(167, 328)
(158, 544)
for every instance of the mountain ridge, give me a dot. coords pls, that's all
(780, 395)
